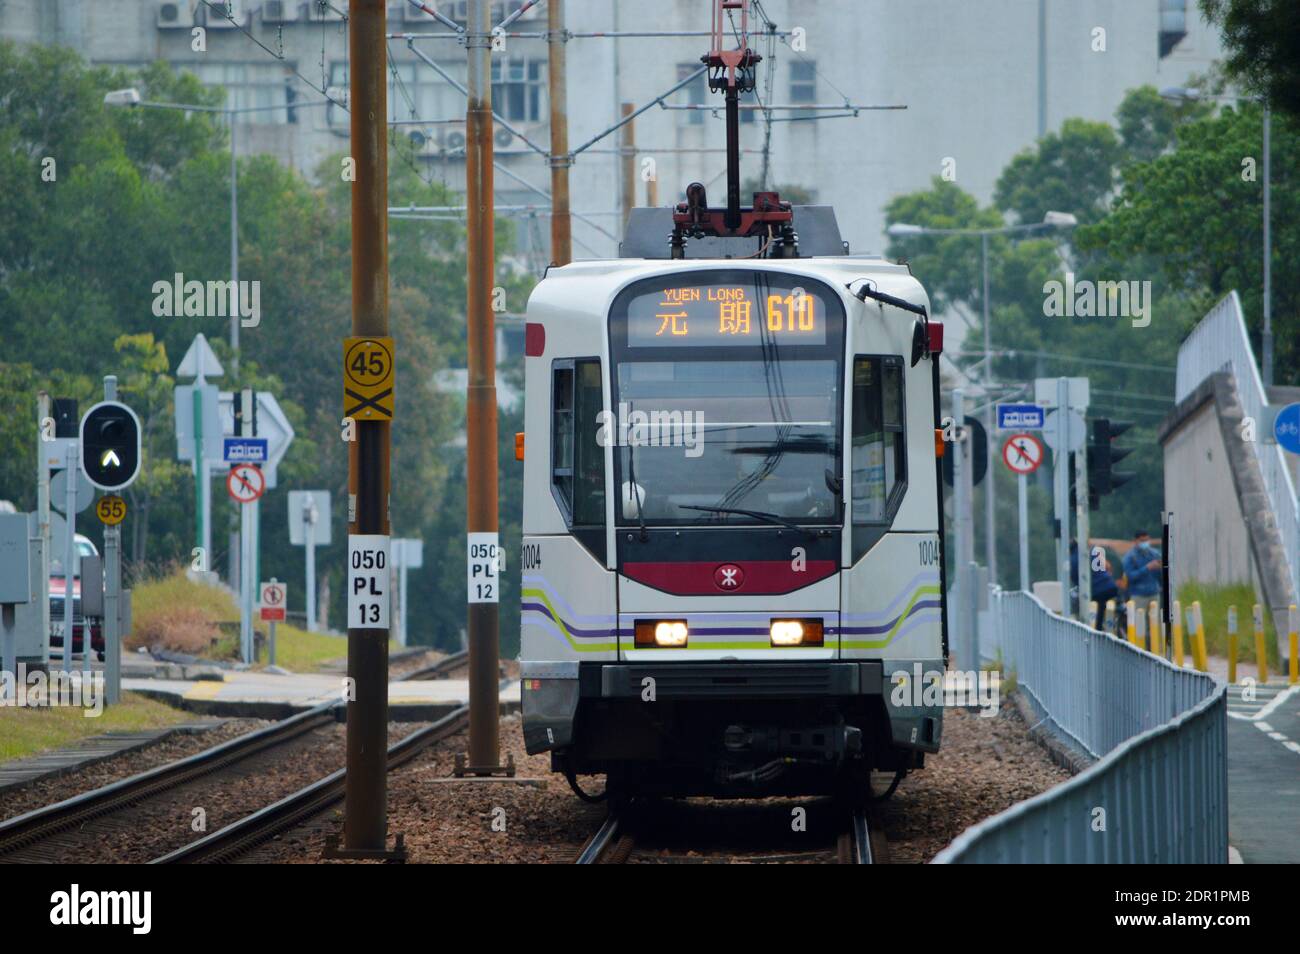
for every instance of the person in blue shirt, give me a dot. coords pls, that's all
(1103, 584)
(1142, 567)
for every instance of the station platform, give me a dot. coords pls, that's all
(1264, 773)
(268, 695)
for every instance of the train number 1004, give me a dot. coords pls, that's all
(929, 552)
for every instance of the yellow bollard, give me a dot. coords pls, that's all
(1261, 654)
(1202, 663)
(1176, 622)
(1294, 673)
(1092, 615)
(1131, 611)
(1232, 645)
(1153, 627)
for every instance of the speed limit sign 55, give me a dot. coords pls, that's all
(111, 510)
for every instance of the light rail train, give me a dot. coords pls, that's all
(732, 515)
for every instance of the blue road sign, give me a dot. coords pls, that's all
(245, 450)
(1286, 428)
(1020, 417)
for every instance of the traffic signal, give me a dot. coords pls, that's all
(110, 445)
(65, 417)
(1103, 455)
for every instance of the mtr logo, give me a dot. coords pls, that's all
(728, 577)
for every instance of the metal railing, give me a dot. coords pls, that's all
(1220, 343)
(1158, 791)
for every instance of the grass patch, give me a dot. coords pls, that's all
(174, 612)
(301, 651)
(1215, 599)
(27, 731)
(159, 595)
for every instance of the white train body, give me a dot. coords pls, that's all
(722, 456)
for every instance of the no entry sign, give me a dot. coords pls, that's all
(1022, 453)
(272, 600)
(245, 483)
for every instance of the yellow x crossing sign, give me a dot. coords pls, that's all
(368, 379)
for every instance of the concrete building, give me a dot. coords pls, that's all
(969, 74)
(1230, 487)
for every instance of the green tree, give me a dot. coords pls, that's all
(138, 195)
(1263, 42)
(1196, 212)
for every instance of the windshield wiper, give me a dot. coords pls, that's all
(757, 515)
(636, 491)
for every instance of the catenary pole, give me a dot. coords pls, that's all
(990, 498)
(481, 397)
(366, 793)
(560, 160)
(629, 161)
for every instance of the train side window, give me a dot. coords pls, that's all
(879, 460)
(562, 434)
(577, 459)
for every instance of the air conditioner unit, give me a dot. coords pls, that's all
(281, 11)
(227, 14)
(454, 141)
(175, 15)
(503, 138)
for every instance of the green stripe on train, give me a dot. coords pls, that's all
(889, 636)
(576, 645)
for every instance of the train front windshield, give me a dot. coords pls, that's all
(727, 400)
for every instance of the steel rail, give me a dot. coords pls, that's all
(439, 668)
(25, 829)
(599, 844)
(251, 830)
(860, 839)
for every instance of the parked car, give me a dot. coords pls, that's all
(58, 593)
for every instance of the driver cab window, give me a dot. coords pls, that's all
(577, 458)
(879, 464)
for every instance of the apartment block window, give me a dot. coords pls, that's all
(519, 88)
(1173, 24)
(251, 85)
(459, 9)
(803, 84)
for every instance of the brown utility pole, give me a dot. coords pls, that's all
(629, 163)
(365, 822)
(561, 224)
(481, 406)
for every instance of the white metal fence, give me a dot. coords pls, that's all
(1158, 791)
(1220, 343)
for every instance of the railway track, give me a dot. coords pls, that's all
(627, 832)
(247, 833)
(44, 823)
(441, 669)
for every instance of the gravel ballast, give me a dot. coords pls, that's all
(987, 765)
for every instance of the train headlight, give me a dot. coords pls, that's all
(796, 632)
(665, 633)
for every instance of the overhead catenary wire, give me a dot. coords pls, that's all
(221, 9)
